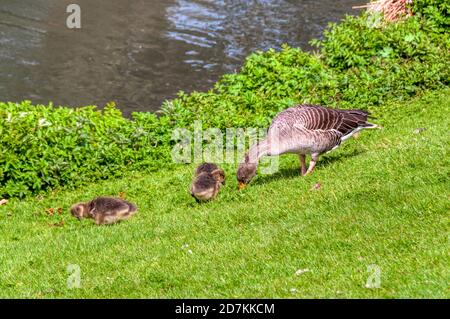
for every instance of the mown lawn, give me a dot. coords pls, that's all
(384, 201)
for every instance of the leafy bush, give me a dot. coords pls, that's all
(362, 62)
(436, 12)
(44, 147)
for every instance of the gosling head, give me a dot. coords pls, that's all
(79, 210)
(245, 173)
(219, 175)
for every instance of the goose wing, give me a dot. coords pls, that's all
(325, 119)
(319, 118)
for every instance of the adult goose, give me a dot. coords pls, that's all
(303, 129)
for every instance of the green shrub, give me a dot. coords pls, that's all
(436, 13)
(45, 147)
(362, 62)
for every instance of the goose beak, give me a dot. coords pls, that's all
(241, 186)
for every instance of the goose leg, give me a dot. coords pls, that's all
(312, 163)
(303, 164)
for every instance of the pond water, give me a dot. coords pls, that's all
(138, 53)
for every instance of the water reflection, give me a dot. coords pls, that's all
(140, 52)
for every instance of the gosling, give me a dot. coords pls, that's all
(206, 168)
(207, 182)
(104, 210)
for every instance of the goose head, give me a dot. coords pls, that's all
(245, 173)
(79, 210)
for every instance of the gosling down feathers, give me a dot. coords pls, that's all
(207, 182)
(303, 129)
(104, 210)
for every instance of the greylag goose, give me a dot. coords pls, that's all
(207, 182)
(303, 129)
(104, 210)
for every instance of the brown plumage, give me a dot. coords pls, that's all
(205, 168)
(104, 210)
(304, 129)
(207, 182)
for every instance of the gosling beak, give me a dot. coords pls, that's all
(241, 185)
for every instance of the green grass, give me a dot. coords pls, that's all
(384, 200)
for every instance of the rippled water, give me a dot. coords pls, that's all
(140, 52)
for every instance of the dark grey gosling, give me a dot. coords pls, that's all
(208, 180)
(104, 210)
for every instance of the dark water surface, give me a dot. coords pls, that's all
(140, 52)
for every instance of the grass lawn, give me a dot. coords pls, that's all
(384, 201)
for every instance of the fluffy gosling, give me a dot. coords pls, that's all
(104, 210)
(207, 182)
